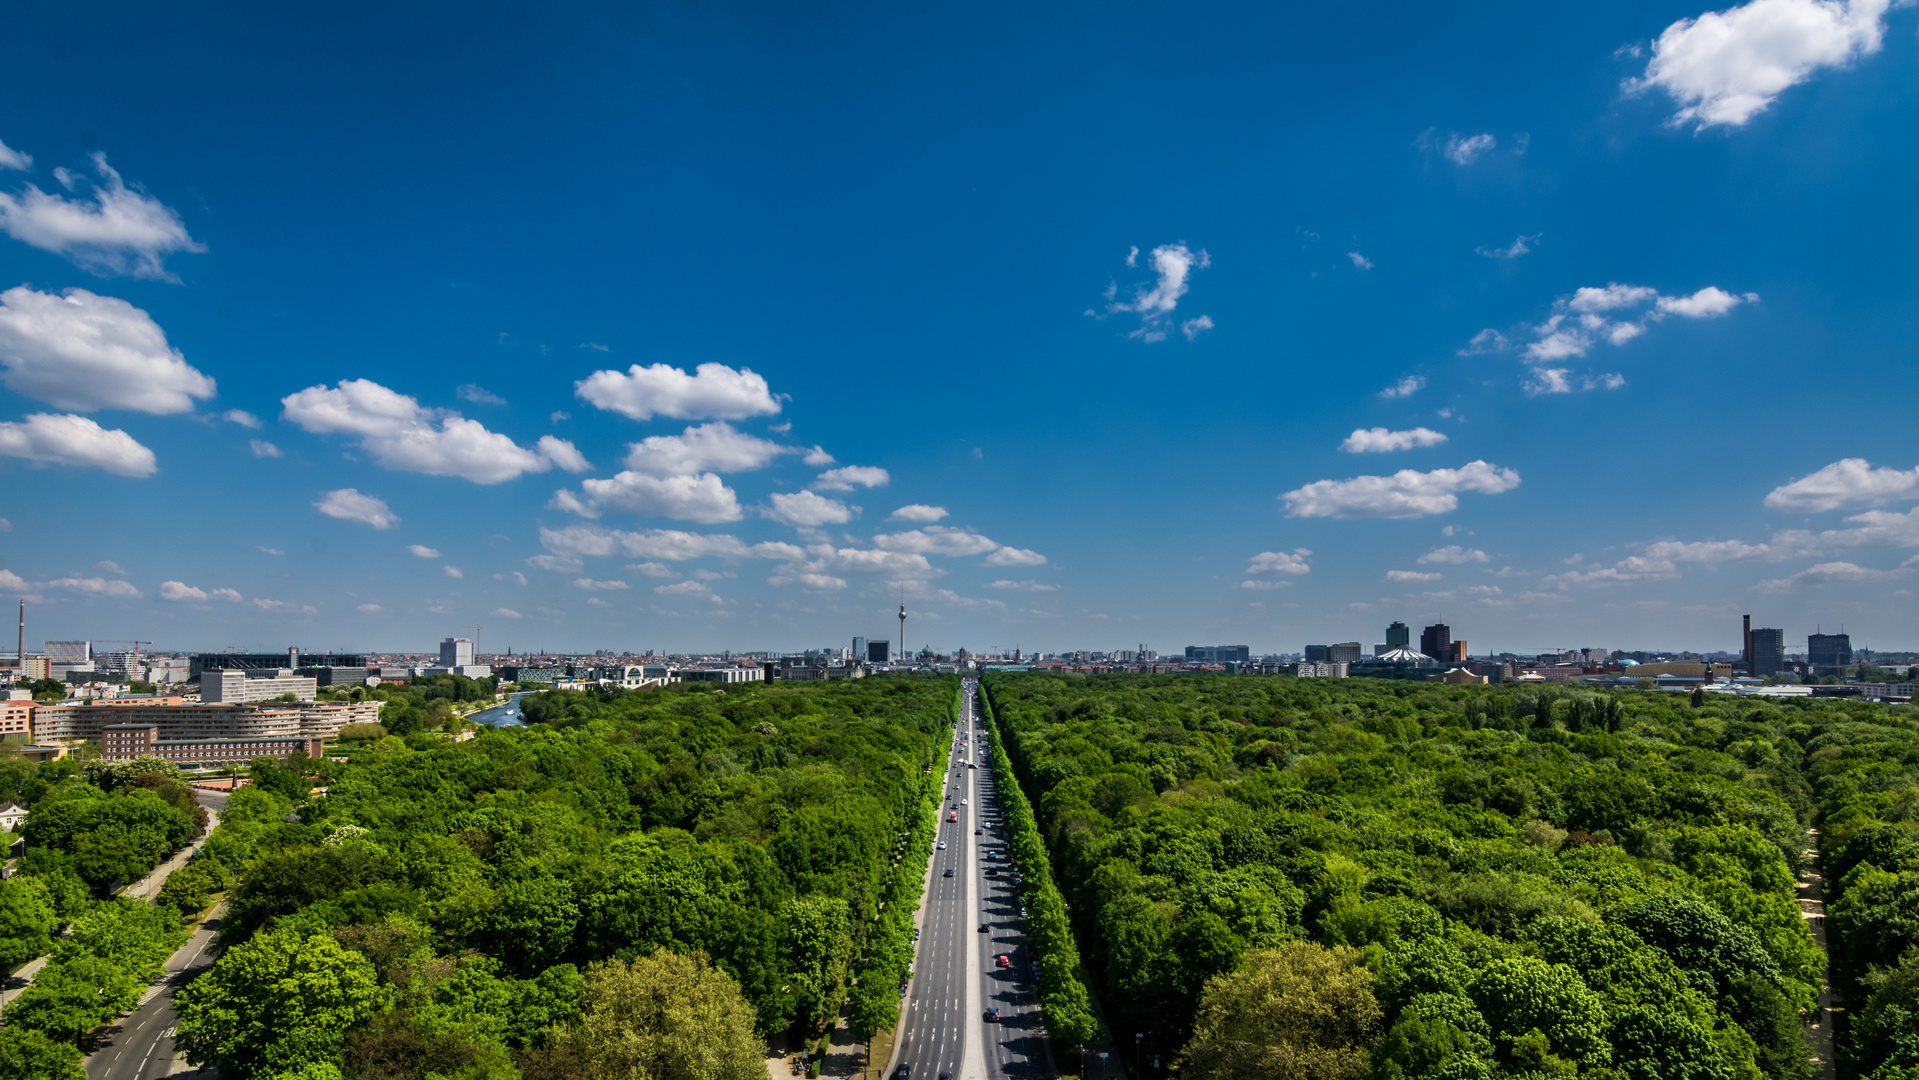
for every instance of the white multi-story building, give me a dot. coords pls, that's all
(456, 652)
(68, 652)
(242, 687)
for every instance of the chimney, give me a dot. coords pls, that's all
(1746, 655)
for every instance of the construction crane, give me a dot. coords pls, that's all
(476, 640)
(136, 647)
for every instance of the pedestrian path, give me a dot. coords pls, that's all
(1812, 908)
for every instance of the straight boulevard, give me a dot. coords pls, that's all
(945, 1030)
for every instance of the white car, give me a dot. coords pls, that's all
(942, 845)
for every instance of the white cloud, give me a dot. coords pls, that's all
(1411, 575)
(263, 449)
(822, 582)
(281, 605)
(231, 596)
(241, 417)
(1256, 585)
(50, 439)
(805, 510)
(1452, 555)
(703, 498)
(919, 512)
(14, 159)
(110, 567)
(121, 230)
(1521, 245)
(936, 540)
(1404, 494)
(478, 395)
(1360, 262)
(845, 479)
(93, 586)
(506, 613)
(576, 541)
(562, 453)
(1848, 484)
(684, 588)
(1028, 585)
(1012, 556)
(1830, 573)
(421, 551)
(1612, 314)
(1281, 562)
(1194, 327)
(589, 583)
(1155, 303)
(1379, 440)
(655, 570)
(268, 550)
(452, 572)
(1406, 387)
(84, 352)
(180, 590)
(1725, 67)
(714, 391)
(348, 504)
(1465, 149)
(715, 447)
(402, 435)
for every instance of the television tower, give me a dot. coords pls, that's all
(902, 620)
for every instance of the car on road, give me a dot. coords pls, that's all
(976, 832)
(992, 871)
(1002, 961)
(942, 845)
(992, 1016)
(903, 1071)
(954, 816)
(949, 872)
(982, 928)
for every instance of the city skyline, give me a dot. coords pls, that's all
(723, 329)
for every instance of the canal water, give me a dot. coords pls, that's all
(505, 714)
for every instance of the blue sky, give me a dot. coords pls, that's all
(682, 326)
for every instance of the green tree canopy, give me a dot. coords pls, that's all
(664, 1016)
(274, 1004)
(1297, 1012)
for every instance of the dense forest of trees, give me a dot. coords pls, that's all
(1330, 878)
(482, 909)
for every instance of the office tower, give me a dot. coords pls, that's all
(859, 649)
(878, 651)
(456, 652)
(1829, 654)
(68, 652)
(1346, 652)
(1316, 654)
(1767, 653)
(1436, 641)
(1399, 636)
(1459, 652)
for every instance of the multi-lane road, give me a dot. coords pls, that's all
(968, 921)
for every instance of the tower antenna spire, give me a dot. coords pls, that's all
(902, 620)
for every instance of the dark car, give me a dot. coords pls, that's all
(949, 872)
(992, 871)
(904, 1071)
(992, 1016)
(982, 928)
(979, 832)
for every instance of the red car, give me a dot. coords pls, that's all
(954, 816)
(1003, 961)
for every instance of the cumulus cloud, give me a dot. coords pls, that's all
(823, 564)
(1725, 67)
(452, 572)
(1465, 149)
(673, 545)
(181, 591)
(120, 230)
(714, 391)
(714, 447)
(1012, 556)
(14, 159)
(1411, 575)
(64, 439)
(1848, 484)
(1611, 314)
(83, 352)
(478, 395)
(806, 510)
(400, 434)
(1405, 494)
(818, 582)
(655, 570)
(263, 449)
(702, 498)
(1281, 562)
(936, 540)
(562, 453)
(348, 504)
(1194, 327)
(1257, 585)
(1027, 585)
(603, 586)
(919, 512)
(421, 551)
(684, 588)
(1404, 388)
(1521, 245)
(94, 586)
(1173, 265)
(845, 479)
(1360, 262)
(1452, 555)
(506, 613)
(232, 596)
(241, 417)
(1830, 573)
(1379, 440)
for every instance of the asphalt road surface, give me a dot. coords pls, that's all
(944, 1030)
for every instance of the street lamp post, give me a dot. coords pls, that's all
(1139, 1043)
